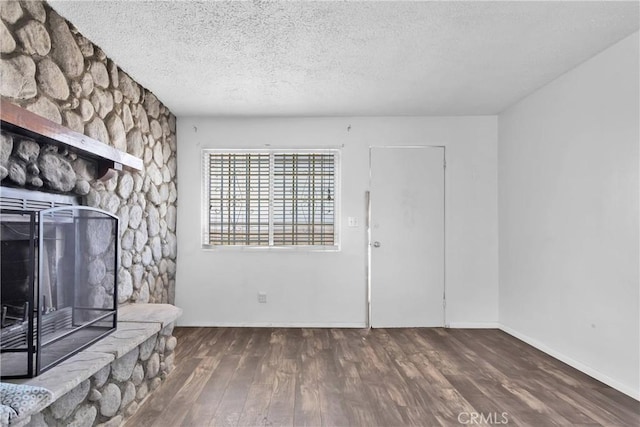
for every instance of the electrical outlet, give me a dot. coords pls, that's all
(262, 297)
(352, 221)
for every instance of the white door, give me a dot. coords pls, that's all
(407, 237)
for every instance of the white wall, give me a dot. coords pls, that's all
(328, 289)
(568, 213)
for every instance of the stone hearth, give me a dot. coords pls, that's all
(107, 382)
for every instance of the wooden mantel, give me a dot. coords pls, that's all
(24, 122)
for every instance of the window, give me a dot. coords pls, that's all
(270, 198)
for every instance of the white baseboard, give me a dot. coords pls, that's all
(209, 324)
(573, 363)
(474, 325)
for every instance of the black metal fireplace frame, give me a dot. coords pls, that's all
(34, 338)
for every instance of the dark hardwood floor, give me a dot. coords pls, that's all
(377, 377)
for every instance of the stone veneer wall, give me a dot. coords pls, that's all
(117, 390)
(49, 68)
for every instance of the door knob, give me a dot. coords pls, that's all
(376, 244)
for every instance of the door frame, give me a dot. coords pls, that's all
(368, 229)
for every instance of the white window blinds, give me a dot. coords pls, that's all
(239, 199)
(270, 198)
(303, 199)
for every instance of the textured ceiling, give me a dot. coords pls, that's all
(347, 58)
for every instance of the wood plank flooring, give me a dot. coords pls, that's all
(377, 377)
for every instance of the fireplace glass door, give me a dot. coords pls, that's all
(59, 285)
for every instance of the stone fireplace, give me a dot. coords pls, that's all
(59, 258)
(51, 70)
(58, 279)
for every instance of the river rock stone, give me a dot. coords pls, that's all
(135, 216)
(17, 171)
(34, 38)
(143, 296)
(129, 395)
(108, 282)
(111, 203)
(110, 402)
(126, 259)
(47, 109)
(86, 83)
(126, 242)
(147, 256)
(122, 368)
(86, 47)
(171, 245)
(154, 174)
(101, 377)
(125, 287)
(153, 195)
(141, 237)
(116, 132)
(84, 169)
(142, 392)
(102, 102)
(17, 77)
(94, 395)
(148, 155)
(153, 221)
(137, 375)
(65, 51)
(152, 366)
(170, 218)
(170, 344)
(113, 73)
(10, 11)
(128, 87)
(135, 145)
(98, 297)
(156, 130)
(51, 80)
(86, 109)
(123, 214)
(169, 362)
(96, 271)
(137, 271)
(158, 155)
(82, 187)
(6, 146)
(7, 42)
(100, 75)
(146, 348)
(73, 121)
(35, 9)
(143, 120)
(84, 417)
(64, 406)
(97, 130)
(57, 172)
(173, 193)
(125, 186)
(27, 150)
(127, 118)
(131, 409)
(154, 383)
(113, 422)
(98, 233)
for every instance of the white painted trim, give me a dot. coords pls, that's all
(573, 363)
(209, 324)
(474, 325)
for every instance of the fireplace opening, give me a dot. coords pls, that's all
(58, 280)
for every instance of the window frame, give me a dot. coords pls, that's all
(205, 201)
